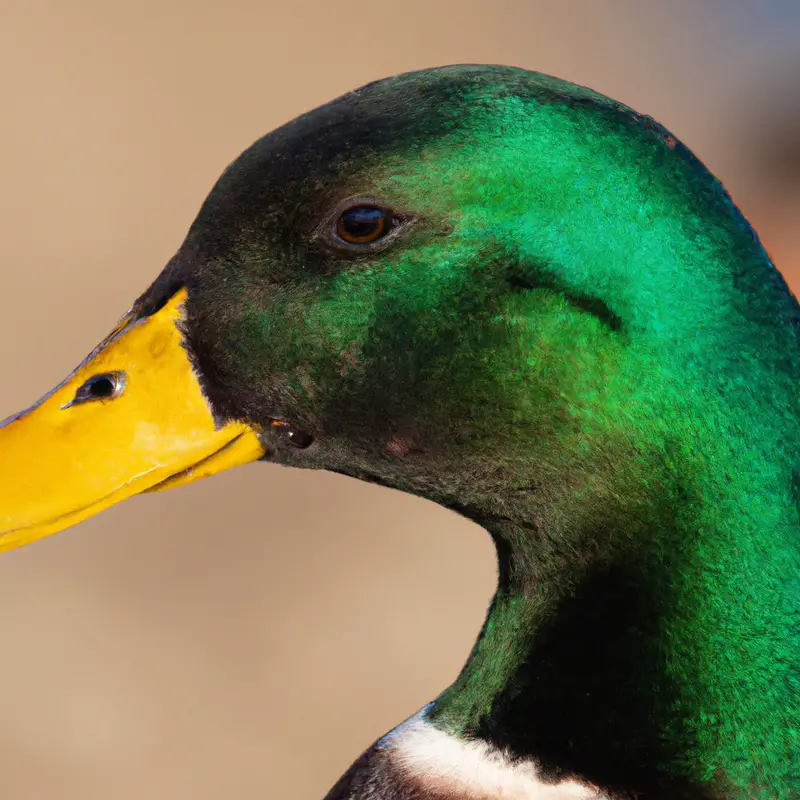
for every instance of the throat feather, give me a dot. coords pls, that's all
(447, 767)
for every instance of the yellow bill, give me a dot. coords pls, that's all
(131, 418)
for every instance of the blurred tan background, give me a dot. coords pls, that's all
(178, 646)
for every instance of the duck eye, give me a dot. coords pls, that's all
(363, 224)
(105, 386)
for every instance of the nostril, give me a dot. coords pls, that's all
(105, 386)
(102, 387)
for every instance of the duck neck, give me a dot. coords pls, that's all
(653, 654)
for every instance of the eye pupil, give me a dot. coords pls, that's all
(363, 224)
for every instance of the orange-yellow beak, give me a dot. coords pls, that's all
(131, 418)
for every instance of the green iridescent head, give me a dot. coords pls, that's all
(554, 280)
(531, 304)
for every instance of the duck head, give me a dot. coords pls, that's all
(512, 296)
(434, 281)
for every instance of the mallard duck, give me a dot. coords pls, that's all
(526, 302)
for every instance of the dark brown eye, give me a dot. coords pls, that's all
(363, 224)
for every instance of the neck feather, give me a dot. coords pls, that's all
(664, 665)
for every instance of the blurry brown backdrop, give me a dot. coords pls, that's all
(248, 636)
